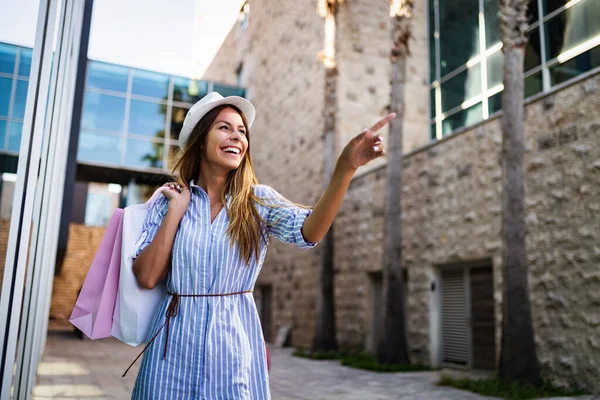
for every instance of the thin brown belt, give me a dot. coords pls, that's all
(172, 311)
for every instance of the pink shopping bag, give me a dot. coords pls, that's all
(93, 312)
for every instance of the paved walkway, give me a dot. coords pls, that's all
(84, 369)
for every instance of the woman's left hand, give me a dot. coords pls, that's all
(366, 146)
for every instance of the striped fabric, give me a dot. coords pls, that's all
(216, 349)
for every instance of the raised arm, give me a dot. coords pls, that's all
(362, 149)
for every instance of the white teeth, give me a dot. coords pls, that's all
(231, 150)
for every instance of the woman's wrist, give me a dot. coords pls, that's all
(344, 166)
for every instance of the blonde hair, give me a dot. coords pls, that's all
(246, 227)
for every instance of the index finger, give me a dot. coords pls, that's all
(382, 122)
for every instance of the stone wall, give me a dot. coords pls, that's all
(452, 214)
(452, 194)
(363, 53)
(284, 79)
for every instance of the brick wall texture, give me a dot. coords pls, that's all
(452, 188)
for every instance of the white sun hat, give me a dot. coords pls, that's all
(207, 103)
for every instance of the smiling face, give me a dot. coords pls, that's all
(226, 142)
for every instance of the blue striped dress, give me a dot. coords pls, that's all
(215, 348)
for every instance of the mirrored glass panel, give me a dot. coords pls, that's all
(432, 61)
(495, 103)
(107, 76)
(492, 22)
(432, 103)
(8, 58)
(14, 136)
(5, 92)
(177, 118)
(533, 84)
(20, 99)
(3, 126)
(495, 64)
(25, 62)
(533, 55)
(573, 27)
(553, 5)
(144, 154)
(460, 88)
(462, 118)
(99, 148)
(575, 66)
(459, 33)
(225, 90)
(188, 90)
(147, 118)
(102, 111)
(150, 84)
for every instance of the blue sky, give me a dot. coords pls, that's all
(172, 36)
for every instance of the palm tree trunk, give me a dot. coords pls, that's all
(391, 346)
(325, 331)
(518, 359)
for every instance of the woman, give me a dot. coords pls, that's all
(208, 238)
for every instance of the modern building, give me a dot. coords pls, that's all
(125, 147)
(130, 123)
(298, 62)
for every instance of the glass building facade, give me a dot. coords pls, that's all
(15, 63)
(466, 59)
(132, 118)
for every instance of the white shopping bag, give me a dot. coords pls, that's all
(134, 307)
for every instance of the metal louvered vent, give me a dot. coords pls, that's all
(454, 318)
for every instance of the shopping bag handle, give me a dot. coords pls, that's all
(154, 197)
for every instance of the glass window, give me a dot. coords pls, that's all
(20, 99)
(8, 57)
(552, 5)
(495, 65)
(573, 27)
(492, 22)
(3, 125)
(99, 148)
(432, 62)
(462, 118)
(99, 208)
(5, 88)
(432, 132)
(533, 55)
(101, 111)
(147, 118)
(25, 62)
(188, 90)
(225, 90)
(177, 118)
(107, 76)
(151, 84)
(533, 13)
(575, 66)
(533, 84)
(462, 87)
(495, 103)
(432, 103)
(144, 154)
(14, 136)
(459, 33)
